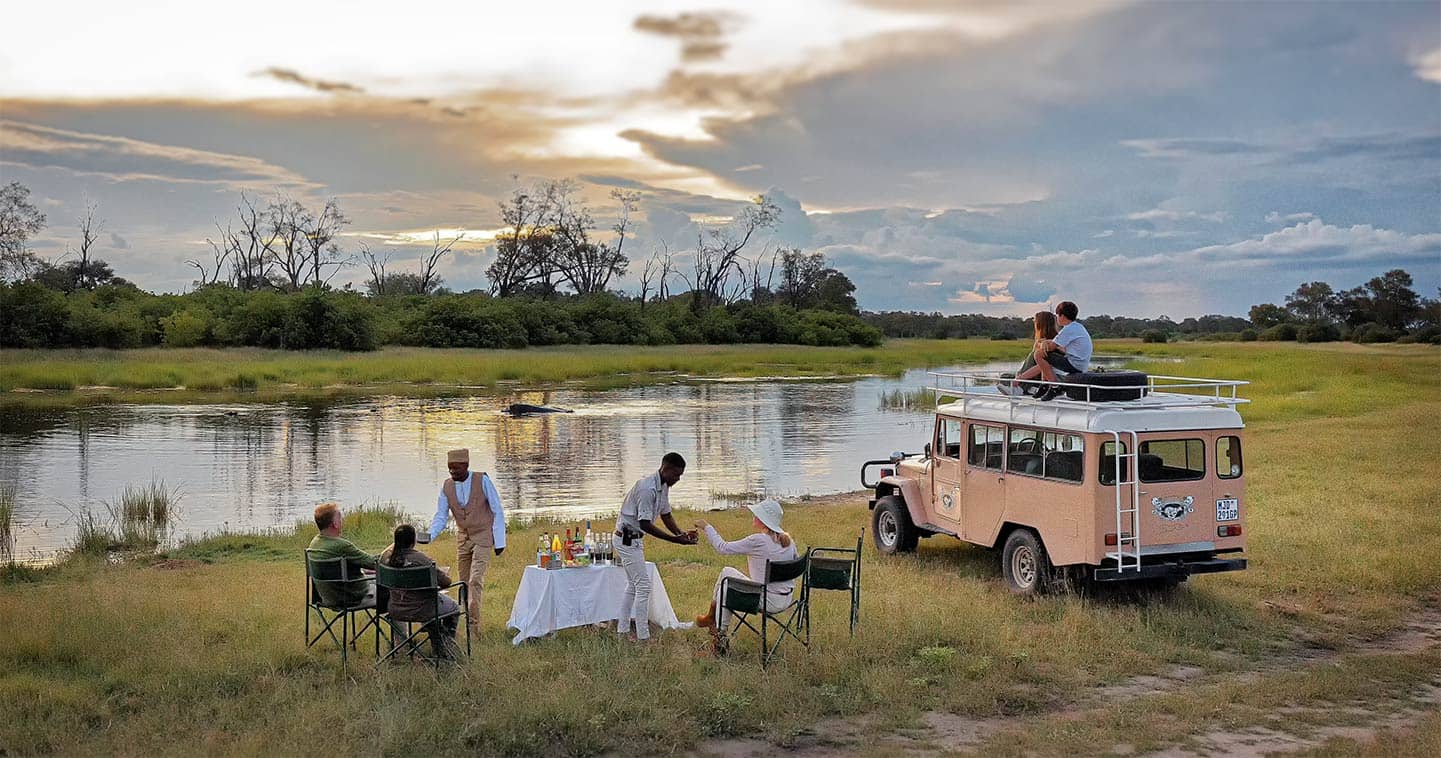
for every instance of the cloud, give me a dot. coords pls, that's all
(700, 32)
(1276, 218)
(124, 159)
(1161, 214)
(319, 85)
(118, 242)
(1428, 66)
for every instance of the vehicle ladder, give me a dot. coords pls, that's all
(1128, 509)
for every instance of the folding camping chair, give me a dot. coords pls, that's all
(419, 579)
(338, 572)
(744, 599)
(830, 571)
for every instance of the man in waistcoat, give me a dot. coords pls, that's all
(479, 524)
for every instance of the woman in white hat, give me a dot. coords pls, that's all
(769, 542)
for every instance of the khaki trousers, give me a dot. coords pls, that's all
(472, 558)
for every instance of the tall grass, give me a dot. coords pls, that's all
(137, 521)
(8, 497)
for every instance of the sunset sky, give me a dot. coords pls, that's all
(988, 156)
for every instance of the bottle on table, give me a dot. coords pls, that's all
(556, 553)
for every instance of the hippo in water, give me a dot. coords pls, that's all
(526, 409)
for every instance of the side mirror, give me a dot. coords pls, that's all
(928, 450)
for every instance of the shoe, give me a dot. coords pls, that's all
(707, 620)
(1006, 389)
(1051, 393)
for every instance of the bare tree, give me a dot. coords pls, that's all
(376, 265)
(586, 265)
(717, 254)
(19, 220)
(429, 279)
(253, 243)
(524, 248)
(90, 228)
(288, 251)
(319, 232)
(227, 246)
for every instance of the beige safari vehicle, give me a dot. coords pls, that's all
(1147, 484)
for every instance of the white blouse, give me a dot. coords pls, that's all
(759, 548)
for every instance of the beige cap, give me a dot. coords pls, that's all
(458, 456)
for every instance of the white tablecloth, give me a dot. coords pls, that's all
(551, 599)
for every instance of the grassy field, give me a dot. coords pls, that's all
(201, 651)
(165, 375)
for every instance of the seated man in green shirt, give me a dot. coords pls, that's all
(329, 544)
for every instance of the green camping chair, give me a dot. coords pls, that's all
(746, 599)
(339, 572)
(418, 579)
(837, 568)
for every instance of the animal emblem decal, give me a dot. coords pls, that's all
(948, 500)
(1172, 510)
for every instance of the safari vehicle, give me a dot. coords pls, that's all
(1145, 486)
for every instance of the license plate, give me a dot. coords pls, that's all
(1228, 509)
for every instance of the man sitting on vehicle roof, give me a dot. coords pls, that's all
(1068, 353)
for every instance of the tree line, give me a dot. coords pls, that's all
(268, 284)
(1384, 309)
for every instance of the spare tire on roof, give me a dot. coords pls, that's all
(1107, 386)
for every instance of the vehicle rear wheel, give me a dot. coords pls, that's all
(1024, 563)
(891, 525)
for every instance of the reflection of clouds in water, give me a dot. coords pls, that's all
(258, 466)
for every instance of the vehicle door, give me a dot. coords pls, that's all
(983, 485)
(1177, 494)
(947, 468)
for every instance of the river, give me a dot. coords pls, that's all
(246, 467)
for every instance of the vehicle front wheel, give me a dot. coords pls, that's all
(892, 527)
(1025, 564)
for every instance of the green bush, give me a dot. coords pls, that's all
(186, 328)
(1279, 333)
(317, 319)
(1318, 333)
(1373, 332)
(1428, 334)
(33, 316)
(1153, 335)
(1248, 335)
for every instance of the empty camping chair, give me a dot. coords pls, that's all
(744, 599)
(420, 579)
(338, 573)
(836, 568)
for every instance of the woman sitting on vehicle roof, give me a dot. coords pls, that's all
(1045, 329)
(768, 543)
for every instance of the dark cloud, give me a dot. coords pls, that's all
(700, 33)
(118, 242)
(319, 85)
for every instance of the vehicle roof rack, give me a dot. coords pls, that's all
(1162, 393)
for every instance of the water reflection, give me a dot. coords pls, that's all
(258, 466)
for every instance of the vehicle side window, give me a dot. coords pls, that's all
(948, 434)
(1172, 460)
(1053, 455)
(1107, 472)
(986, 446)
(1026, 453)
(1228, 457)
(1065, 456)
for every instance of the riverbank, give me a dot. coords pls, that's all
(1326, 643)
(158, 375)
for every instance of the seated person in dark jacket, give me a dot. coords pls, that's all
(420, 605)
(329, 544)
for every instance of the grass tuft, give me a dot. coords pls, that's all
(8, 497)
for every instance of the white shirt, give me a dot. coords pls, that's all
(759, 548)
(1076, 342)
(462, 494)
(648, 499)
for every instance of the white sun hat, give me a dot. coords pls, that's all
(769, 512)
